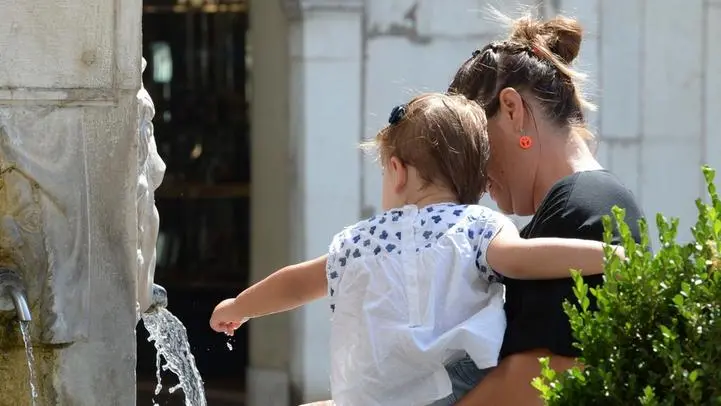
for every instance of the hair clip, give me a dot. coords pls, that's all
(476, 52)
(397, 114)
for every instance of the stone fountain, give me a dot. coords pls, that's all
(78, 169)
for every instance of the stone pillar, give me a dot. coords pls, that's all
(270, 197)
(325, 116)
(306, 174)
(712, 87)
(672, 110)
(622, 98)
(68, 170)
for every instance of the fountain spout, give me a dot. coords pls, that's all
(159, 299)
(12, 285)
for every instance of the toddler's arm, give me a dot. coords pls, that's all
(285, 289)
(544, 258)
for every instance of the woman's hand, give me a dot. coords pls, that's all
(226, 317)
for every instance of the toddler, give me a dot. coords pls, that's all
(415, 288)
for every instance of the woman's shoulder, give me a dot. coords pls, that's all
(588, 190)
(599, 191)
(580, 201)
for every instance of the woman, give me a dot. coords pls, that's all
(541, 164)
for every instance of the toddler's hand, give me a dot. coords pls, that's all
(225, 318)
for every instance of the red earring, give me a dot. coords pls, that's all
(525, 142)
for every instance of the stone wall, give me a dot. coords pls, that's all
(69, 74)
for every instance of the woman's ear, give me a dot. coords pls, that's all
(398, 172)
(511, 108)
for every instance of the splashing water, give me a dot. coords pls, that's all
(170, 339)
(25, 331)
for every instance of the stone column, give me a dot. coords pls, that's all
(307, 109)
(270, 197)
(622, 98)
(712, 86)
(68, 176)
(325, 116)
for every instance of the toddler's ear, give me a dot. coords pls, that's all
(398, 173)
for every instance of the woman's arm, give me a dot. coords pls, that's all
(544, 258)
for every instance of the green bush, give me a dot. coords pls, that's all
(656, 337)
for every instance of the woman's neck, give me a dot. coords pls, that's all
(562, 155)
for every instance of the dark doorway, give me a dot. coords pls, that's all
(197, 73)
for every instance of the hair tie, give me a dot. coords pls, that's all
(476, 52)
(535, 51)
(397, 114)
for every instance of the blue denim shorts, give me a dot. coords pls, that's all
(464, 375)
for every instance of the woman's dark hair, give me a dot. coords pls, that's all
(534, 59)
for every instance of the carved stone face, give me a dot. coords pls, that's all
(151, 170)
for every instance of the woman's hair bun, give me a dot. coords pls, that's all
(561, 35)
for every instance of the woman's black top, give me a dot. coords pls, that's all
(573, 208)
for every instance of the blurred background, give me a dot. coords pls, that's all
(260, 106)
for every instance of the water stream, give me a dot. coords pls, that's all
(25, 331)
(170, 339)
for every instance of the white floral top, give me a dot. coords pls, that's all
(410, 291)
